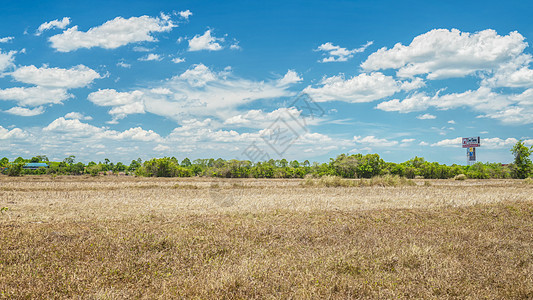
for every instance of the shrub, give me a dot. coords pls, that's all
(14, 169)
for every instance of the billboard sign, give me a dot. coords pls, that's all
(471, 154)
(471, 142)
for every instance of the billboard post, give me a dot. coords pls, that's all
(470, 143)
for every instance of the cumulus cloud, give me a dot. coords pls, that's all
(426, 117)
(6, 39)
(15, 133)
(357, 89)
(185, 14)
(235, 46)
(514, 74)
(6, 60)
(75, 77)
(60, 24)
(290, 77)
(178, 60)
(25, 112)
(257, 118)
(205, 42)
(456, 142)
(151, 57)
(372, 141)
(137, 134)
(122, 104)
(442, 53)
(34, 96)
(509, 109)
(161, 148)
(77, 116)
(112, 34)
(123, 64)
(336, 53)
(75, 128)
(197, 92)
(489, 143)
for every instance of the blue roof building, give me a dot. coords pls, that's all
(35, 166)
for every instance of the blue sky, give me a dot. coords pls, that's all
(236, 79)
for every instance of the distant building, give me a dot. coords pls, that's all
(34, 166)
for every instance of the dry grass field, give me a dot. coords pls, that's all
(122, 238)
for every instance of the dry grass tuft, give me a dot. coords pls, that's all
(460, 177)
(336, 181)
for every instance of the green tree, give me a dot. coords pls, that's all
(69, 160)
(134, 165)
(522, 161)
(186, 162)
(4, 162)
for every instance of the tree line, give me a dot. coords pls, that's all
(344, 165)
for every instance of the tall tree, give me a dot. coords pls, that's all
(521, 159)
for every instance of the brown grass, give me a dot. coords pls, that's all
(118, 238)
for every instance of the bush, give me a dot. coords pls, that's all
(14, 169)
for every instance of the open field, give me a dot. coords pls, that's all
(124, 237)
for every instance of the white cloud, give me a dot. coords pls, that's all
(77, 116)
(75, 77)
(137, 134)
(456, 143)
(185, 14)
(205, 42)
(290, 77)
(405, 141)
(337, 53)
(123, 64)
(257, 118)
(372, 141)
(515, 73)
(198, 76)
(141, 49)
(6, 60)
(34, 96)
(423, 143)
(361, 88)
(197, 92)
(151, 57)
(61, 24)
(488, 143)
(509, 109)
(15, 133)
(25, 112)
(442, 53)
(6, 39)
(161, 148)
(74, 128)
(235, 46)
(112, 34)
(426, 117)
(178, 60)
(123, 104)
(451, 122)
